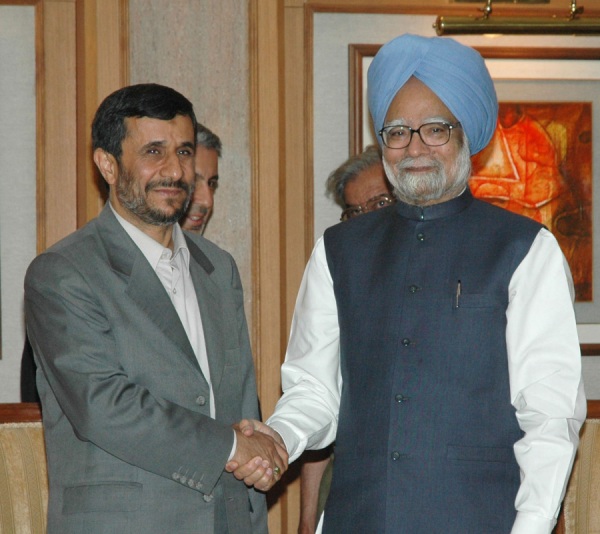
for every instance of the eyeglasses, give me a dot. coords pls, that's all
(432, 134)
(375, 203)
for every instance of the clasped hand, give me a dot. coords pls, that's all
(260, 456)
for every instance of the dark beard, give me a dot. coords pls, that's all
(137, 203)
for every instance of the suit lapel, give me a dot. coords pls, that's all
(144, 286)
(209, 301)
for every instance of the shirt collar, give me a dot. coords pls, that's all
(151, 249)
(435, 211)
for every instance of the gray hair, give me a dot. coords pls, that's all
(208, 139)
(349, 170)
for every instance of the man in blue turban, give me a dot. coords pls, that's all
(435, 340)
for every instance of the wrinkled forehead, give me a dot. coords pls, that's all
(415, 104)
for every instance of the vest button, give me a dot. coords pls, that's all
(406, 342)
(395, 456)
(201, 400)
(414, 289)
(421, 236)
(401, 398)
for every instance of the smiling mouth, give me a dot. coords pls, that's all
(418, 169)
(169, 191)
(196, 219)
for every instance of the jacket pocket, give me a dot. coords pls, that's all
(102, 497)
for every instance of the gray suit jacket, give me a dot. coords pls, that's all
(130, 443)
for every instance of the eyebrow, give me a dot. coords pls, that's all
(428, 120)
(153, 144)
(186, 144)
(189, 144)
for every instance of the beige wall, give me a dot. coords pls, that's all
(200, 48)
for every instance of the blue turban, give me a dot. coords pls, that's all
(454, 72)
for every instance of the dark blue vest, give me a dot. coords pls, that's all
(426, 427)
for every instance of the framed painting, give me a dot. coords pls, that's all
(541, 161)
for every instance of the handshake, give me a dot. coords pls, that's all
(260, 456)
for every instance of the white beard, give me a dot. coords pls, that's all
(425, 188)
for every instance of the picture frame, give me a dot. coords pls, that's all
(524, 75)
(590, 349)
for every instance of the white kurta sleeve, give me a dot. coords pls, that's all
(306, 415)
(545, 380)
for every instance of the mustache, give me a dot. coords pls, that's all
(408, 163)
(168, 182)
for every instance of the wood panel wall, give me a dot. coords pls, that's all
(81, 55)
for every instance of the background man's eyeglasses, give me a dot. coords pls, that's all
(432, 134)
(375, 203)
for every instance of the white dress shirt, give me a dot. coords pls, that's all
(544, 367)
(173, 270)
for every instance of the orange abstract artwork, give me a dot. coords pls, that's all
(539, 164)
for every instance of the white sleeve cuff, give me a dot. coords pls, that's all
(233, 448)
(526, 523)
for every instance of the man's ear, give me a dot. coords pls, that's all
(107, 165)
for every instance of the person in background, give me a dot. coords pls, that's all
(358, 186)
(142, 347)
(208, 152)
(436, 340)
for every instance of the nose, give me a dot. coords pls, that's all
(172, 167)
(203, 194)
(416, 145)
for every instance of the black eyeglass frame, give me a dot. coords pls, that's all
(418, 131)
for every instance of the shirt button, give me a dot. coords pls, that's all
(406, 342)
(174, 291)
(421, 236)
(201, 400)
(395, 456)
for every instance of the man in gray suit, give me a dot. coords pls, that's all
(140, 333)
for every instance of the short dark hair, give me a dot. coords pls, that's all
(349, 170)
(208, 139)
(142, 100)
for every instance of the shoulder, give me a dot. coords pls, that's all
(503, 215)
(79, 247)
(211, 257)
(499, 221)
(210, 249)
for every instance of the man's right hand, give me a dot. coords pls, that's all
(259, 459)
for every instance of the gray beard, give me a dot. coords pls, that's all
(137, 204)
(418, 188)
